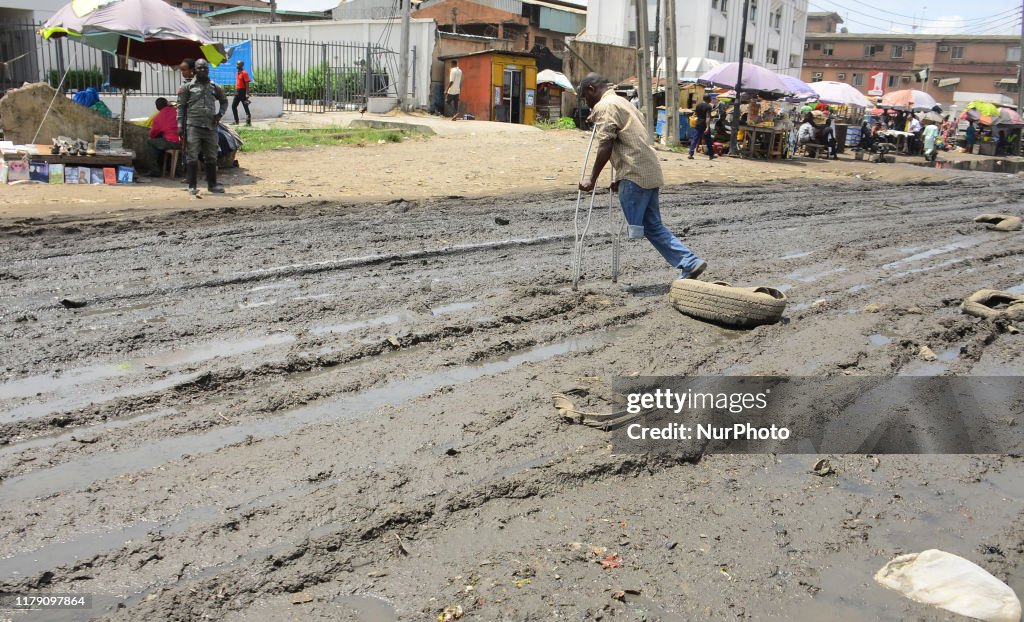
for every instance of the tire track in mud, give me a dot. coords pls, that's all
(425, 492)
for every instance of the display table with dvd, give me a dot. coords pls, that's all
(35, 163)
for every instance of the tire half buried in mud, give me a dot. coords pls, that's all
(1000, 222)
(720, 302)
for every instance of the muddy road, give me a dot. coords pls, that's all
(328, 412)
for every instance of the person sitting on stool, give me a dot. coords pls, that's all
(163, 135)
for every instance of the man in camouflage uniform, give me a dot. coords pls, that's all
(198, 117)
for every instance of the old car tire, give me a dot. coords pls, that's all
(1000, 222)
(988, 303)
(720, 302)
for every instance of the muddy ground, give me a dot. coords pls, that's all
(328, 412)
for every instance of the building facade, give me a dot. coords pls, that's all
(527, 23)
(260, 15)
(710, 29)
(940, 65)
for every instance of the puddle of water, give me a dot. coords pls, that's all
(955, 245)
(980, 166)
(796, 255)
(136, 307)
(82, 472)
(390, 318)
(810, 278)
(944, 264)
(1016, 289)
(79, 387)
(453, 307)
(878, 340)
(87, 431)
(367, 608)
(857, 288)
(59, 554)
(785, 287)
(254, 305)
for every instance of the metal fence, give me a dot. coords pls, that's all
(309, 76)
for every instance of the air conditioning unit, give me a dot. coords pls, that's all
(817, 76)
(908, 48)
(943, 48)
(841, 76)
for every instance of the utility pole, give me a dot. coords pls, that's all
(1020, 77)
(671, 76)
(403, 65)
(735, 125)
(643, 74)
(273, 11)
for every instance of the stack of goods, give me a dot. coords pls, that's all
(20, 167)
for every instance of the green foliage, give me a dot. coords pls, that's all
(309, 85)
(77, 79)
(273, 139)
(566, 123)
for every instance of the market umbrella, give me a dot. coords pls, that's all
(147, 30)
(1008, 116)
(840, 93)
(755, 77)
(553, 77)
(932, 116)
(800, 89)
(909, 98)
(985, 108)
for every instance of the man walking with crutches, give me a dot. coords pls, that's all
(622, 139)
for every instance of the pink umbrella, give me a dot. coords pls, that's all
(1009, 116)
(755, 78)
(910, 99)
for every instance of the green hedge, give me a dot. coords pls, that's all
(309, 84)
(77, 79)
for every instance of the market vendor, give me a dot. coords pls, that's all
(163, 135)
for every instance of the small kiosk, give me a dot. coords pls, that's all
(497, 85)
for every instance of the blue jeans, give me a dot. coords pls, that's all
(640, 207)
(695, 137)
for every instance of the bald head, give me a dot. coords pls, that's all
(592, 87)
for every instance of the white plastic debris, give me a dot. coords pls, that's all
(952, 583)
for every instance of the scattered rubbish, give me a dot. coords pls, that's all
(874, 307)
(498, 220)
(719, 301)
(926, 354)
(950, 582)
(522, 582)
(822, 468)
(612, 560)
(620, 596)
(72, 304)
(450, 613)
(402, 549)
(991, 303)
(605, 421)
(1000, 222)
(85, 441)
(394, 341)
(301, 597)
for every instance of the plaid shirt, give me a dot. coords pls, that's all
(633, 158)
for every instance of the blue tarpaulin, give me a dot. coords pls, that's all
(224, 73)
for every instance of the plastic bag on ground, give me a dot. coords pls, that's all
(952, 583)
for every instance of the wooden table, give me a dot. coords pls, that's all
(97, 161)
(768, 147)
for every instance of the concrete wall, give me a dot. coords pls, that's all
(139, 106)
(373, 32)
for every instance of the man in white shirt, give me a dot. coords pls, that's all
(454, 89)
(914, 127)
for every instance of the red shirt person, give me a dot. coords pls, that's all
(242, 81)
(163, 135)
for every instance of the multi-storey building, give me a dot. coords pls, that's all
(710, 29)
(940, 65)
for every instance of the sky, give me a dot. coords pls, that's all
(930, 16)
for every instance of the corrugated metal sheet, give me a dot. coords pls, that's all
(562, 21)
